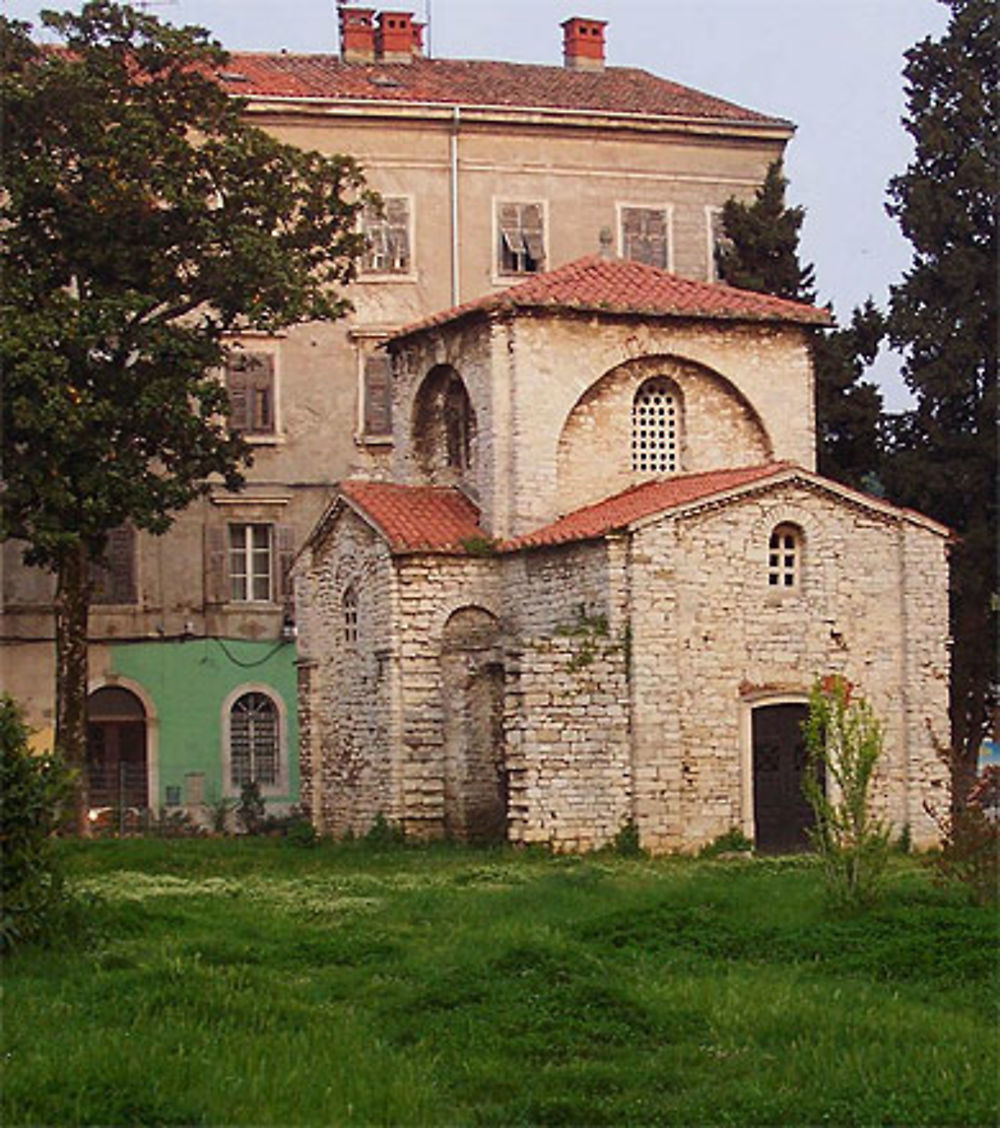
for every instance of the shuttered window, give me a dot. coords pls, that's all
(644, 236)
(378, 394)
(250, 383)
(254, 741)
(387, 236)
(521, 238)
(114, 578)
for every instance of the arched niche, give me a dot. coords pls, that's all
(444, 425)
(475, 779)
(711, 425)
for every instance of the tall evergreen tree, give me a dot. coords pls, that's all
(943, 315)
(761, 248)
(760, 252)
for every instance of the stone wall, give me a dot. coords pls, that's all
(347, 678)
(567, 701)
(712, 640)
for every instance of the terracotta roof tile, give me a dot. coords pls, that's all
(620, 286)
(655, 496)
(416, 518)
(478, 83)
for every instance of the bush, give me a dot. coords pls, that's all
(970, 840)
(250, 810)
(734, 841)
(844, 739)
(32, 790)
(626, 842)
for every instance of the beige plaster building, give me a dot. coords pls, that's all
(603, 577)
(491, 172)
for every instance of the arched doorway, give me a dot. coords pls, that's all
(117, 762)
(782, 815)
(475, 780)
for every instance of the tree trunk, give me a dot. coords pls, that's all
(72, 607)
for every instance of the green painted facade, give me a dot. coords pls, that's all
(189, 683)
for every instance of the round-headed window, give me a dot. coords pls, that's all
(656, 427)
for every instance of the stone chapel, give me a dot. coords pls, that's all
(600, 575)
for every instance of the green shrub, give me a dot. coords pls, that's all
(383, 833)
(734, 841)
(626, 841)
(970, 841)
(844, 739)
(32, 790)
(250, 810)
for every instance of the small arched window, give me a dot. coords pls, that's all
(656, 427)
(254, 741)
(784, 557)
(350, 607)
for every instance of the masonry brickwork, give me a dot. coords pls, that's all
(559, 686)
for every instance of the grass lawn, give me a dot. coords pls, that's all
(255, 983)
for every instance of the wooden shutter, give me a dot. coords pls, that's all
(378, 394)
(284, 536)
(250, 382)
(397, 217)
(533, 234)
(216, 564)
(114, 578)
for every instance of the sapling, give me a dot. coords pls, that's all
(845, 738)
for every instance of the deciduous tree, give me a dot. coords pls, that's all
(142, 220)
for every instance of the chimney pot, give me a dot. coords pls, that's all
(583, 43)
(357, 35)
(397, 38)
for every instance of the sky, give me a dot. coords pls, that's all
(831, 66)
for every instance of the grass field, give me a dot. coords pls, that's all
(253, 983)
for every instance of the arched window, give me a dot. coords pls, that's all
(656, 427)
(784, 557)
(350, 607)
(444, 422)
(254, 741)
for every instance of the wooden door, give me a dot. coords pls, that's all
(782, 815)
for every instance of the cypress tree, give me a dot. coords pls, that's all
(943, 316)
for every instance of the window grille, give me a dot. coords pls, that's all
(784, 558)
(655, 428)
(253, 741)
(350, 602)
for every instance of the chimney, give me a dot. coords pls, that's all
(397, 37)
(357, 35)
(583, 43)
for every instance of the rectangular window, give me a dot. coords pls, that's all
(250, 563)
(250, 383)
(717, 241)
(644, 236)
(387, 235)
(378, 394)
(520, 238)
(114, 578)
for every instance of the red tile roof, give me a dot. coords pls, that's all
(416, 518)
(478, 83)
(655, 496)
(619, 286)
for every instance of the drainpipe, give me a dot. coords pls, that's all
(453, 143)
